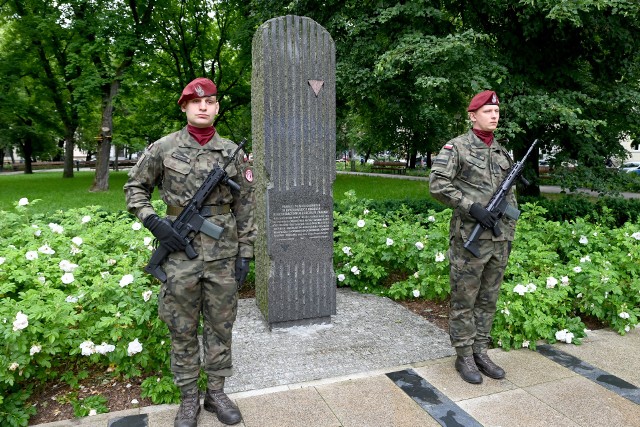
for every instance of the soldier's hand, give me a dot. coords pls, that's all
(164, 232)
(484, 217)
(242, 269)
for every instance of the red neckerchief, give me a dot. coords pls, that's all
(202, 135)
(484, 135)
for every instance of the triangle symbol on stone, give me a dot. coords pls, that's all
(316, 85)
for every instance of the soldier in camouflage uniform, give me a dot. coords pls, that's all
(207, 285)
(464, 176)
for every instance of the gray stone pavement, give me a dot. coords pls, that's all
(357, 372)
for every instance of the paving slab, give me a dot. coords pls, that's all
(587, 403)
(373, 401)
(514, 408)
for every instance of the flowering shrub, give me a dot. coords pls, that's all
(73, 298)
(558, 272)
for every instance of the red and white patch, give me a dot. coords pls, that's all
(448, 146)
(248, 175)
(245, 158)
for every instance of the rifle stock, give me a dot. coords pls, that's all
(190, 221)
(498, 204)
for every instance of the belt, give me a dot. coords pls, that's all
(205, 211)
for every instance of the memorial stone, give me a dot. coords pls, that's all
(294, 140)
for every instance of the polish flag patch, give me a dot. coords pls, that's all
(448, 146)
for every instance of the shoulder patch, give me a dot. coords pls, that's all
(248, 175)
(448, 146)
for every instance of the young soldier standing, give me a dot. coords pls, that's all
(464, 176)
(205, 286)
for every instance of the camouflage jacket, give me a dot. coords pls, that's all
(178, 166)
(465, 171)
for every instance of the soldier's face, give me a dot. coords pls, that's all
(201, 111)
(485, 118)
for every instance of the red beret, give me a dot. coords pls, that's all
(198, 88)
(487, 97)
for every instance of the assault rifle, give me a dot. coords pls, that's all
(190, 221)
(498, 203)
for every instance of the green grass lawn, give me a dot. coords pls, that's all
(56, 192)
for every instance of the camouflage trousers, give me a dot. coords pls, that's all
(475, 287)
(196, 288)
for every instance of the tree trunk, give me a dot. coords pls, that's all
(101, 180)
(27, 152)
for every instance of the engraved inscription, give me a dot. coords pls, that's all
(308, 221)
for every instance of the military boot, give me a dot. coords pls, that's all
(218, 402)
(487, 366)
(189, 410)
(468, 369)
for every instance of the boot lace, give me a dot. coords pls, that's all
(189, 406)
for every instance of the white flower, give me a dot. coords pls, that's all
(67, 278)
(111, 261)
(431, 218)
(627, 328)
(341, 277)
(360, 223)
(56, 228)
(41, 278)
(93, 412)
(416, 274)
(577, 269)
(439, 257)
(561, 335)
(146, 295)
(355, 270)
(147, 240)
(584, 240)
(636, 235)
(531, 287)
(136, 226)
(134, 402)
(551, 282)
(505, 311)
(37, 233)
(564, 281)
(579, 295)
(366, 211)
(77, 240)
(520, 289)
(86, 219)
(347, 250)
(585, 259)
(624, 315)
(88, 348)
(104, 348)
(21, 322)
(23, 202)
(31, 255)
(35, 349)
(134, 347)
(127, 279)
(67, 266)
(71, 299)
(568, 338)
(604, 279)
(416, 293)
(525, 344)
(46, 249)
(13, 366)
(420, 246)
(2, 259)
(389, 241)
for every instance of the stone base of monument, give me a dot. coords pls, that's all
(300, 322)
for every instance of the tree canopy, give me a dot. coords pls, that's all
(566, 72)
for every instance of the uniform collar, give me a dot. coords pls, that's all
(187, 141)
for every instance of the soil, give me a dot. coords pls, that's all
(52, 404)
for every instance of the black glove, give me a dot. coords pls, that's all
(164, 232)
(242, 269)
(484, 217)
